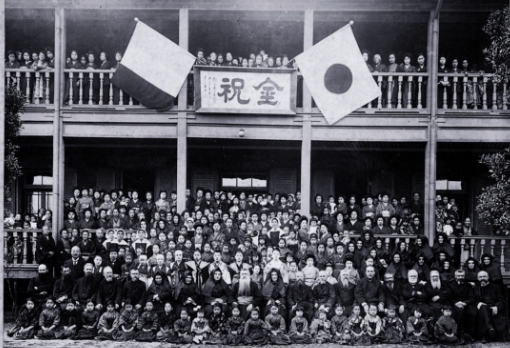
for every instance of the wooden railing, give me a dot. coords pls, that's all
(37, 86)
(399, 91)
(470, 246)
(476, 91)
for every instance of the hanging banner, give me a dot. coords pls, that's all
(245, 90)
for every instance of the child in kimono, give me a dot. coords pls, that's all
(217, 325)
(234, 327)
(49, 320)
(393, 327)
(356, 325)
(148, 324)
(68, 321)
(445, 330)
(339, 326)
(277, 326)
(88, 320)
(298, 331)
(182, 328)
(107, 322)
(416, 328)
(126, 329)
(373, 324)
(167, 320)
(255, 330)
(200, 327)
(321, 328)
(26, 322)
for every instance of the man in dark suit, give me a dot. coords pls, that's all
(324, 295)
(369, 290)
(113, 261)
(63, 289)
(491, 310)
(85, 288)
(109, 289)
(464, 311)
(45, 249)
(75, 263)
(300, 295)
(344, 291)
(392, 296)
(41, 286)
(439, 294)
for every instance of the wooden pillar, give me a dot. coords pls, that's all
(431, 153)
(182, 127)
(57, 122)
(306, 146)
(2, 151)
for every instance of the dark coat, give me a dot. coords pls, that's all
(85, 289)
(369, 291)
(107, 291)
(43, 248)
(76, 271)
(324, 294)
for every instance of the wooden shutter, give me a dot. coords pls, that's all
(165, 179)
(479, 183)
(206, 178)
(70, 181)
(106, 179)
(323, 183)
(283, 180)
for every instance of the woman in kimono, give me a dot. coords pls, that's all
(167, 320)
(49, 320)
(277, 326)
(299, 332)
(107, 322)
(26, 64)
(126, 328)
(26, 322)
(407, 86)
(255, 330)
(88, 323)
(40, 86)
(88, 83)
(148, 324)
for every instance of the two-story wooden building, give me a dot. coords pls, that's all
(397, 147)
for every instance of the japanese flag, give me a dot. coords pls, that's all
(337, 76)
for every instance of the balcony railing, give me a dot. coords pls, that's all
(20, 244)
(399, 91)
(471, 91)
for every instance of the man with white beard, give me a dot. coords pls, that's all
(246, 294)
(439, 294)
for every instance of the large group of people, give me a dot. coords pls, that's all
(44, 60)
(250, 269)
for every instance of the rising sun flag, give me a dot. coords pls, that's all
(153, 68)
(337, 76)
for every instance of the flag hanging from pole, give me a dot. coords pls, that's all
(337, 76)
(153, 68)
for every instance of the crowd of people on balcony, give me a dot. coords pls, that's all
(44, 60)
(251, 269)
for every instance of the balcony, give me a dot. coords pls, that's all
(400, 92)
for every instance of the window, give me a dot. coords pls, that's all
(448, 185)
(245, 181)
(37, 192)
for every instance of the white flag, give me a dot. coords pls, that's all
(337, 76)
(153, 68)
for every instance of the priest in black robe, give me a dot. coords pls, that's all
(491, 309)
(246, 294)
(300, 295)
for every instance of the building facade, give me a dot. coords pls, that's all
(73, 137)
